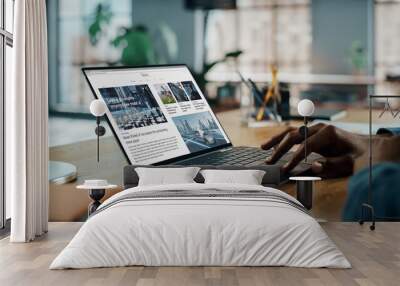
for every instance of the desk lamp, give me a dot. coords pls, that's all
(98, 109)
(305, 108)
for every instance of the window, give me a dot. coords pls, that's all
(265, 31)
(6, 43)
(387, 44)
(71, 48)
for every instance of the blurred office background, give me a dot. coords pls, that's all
(335, 52)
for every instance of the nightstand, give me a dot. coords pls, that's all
(305, 188)
(97, 190)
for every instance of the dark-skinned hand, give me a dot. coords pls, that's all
(338, 147)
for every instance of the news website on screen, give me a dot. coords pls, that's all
(157, 113)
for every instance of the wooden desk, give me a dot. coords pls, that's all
(69, 204)
(329, 195)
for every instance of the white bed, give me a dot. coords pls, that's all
(269, 228)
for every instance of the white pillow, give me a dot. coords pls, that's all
(248, 177)
(166, 176)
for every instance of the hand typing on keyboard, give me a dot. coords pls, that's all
(238, 156)
(340, 149)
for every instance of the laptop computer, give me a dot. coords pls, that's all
(160, 116)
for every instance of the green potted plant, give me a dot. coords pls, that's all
(357, 57)
(201, 77)
(136, 43)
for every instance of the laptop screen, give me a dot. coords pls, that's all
(157, 113)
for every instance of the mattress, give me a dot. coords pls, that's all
(201, 225)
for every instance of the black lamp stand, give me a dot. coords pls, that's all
(303, 130)
(100, 131)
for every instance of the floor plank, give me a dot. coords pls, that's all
(375, 257)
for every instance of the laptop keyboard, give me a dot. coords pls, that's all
(237, 156)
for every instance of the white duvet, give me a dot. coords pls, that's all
(200, 231)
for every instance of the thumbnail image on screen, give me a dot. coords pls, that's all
(178, 91)
(164, 93)
(191, 90)
(199, 131)
(132, 106)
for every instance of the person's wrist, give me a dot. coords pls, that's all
(360, 163)
(384, 149)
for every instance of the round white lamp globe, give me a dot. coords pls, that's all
(97, 107)
(305, 107)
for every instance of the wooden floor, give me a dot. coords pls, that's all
(375, 257)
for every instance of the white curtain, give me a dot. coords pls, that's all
(27, 123)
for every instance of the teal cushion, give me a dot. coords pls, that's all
(385, 192)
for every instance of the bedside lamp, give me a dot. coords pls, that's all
(306, 109)
(98, 109)
(305, 185)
